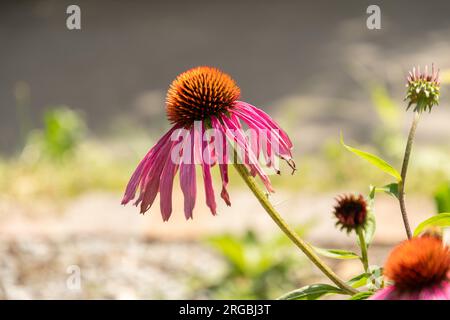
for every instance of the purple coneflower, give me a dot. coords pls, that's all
(419, 269)
(199, 100)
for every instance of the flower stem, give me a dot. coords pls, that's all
(401, 184)
(362, 244)
(292, 235)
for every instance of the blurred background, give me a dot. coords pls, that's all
(79, 109)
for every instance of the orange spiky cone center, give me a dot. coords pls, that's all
(199, 93)
(418, 263)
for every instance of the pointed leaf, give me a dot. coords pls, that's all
(370, 227)
(374, 160)
(312, 292)
(390, 189)
(439, 220)
(362, 295)
(359, 280)
(336, 253)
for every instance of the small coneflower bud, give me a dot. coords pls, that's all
(423, 89)
(351, 212)
(419, 269)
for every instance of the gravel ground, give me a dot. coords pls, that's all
(96, 249)
(118, 268)
(108, 268)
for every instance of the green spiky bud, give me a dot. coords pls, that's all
(423, 89)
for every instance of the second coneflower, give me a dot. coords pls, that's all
(419, 269)
(199, 100)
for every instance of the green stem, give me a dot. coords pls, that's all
(300, 243)
(363, 245)
(401, 184)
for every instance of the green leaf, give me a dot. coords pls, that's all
(336, 253)
(371, 223)
(359, 280)
(372, 191)
(373, 159)
(362, 295)
(439, 220)
(390, 189)
(312, 292)
(369, 228)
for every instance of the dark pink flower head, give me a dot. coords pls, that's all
(202, 104)
(419, 269)
(350, 211)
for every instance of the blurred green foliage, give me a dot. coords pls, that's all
(60, 161)
(257, 268)
(442, 197)
(63, 131)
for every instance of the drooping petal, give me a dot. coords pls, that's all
(209, 189)
(274, 141)
(222, 157)
(224, 175)
(235, 134)
(189, 188)
(252, 110)
(150, 190)
(166, 186)
(188, 177)
(150, 184)
(268, 131)
(207, 179)
(144, 166)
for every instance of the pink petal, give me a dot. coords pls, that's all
(189, 188)
(143, 167)
(166, 186)
(266, 119)
(223, 161)
(384, 294)
(188, 180)
(275, 142)
(150, 184)
(234, 133)
(209, 190)
(266, 130)
(436, 292)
